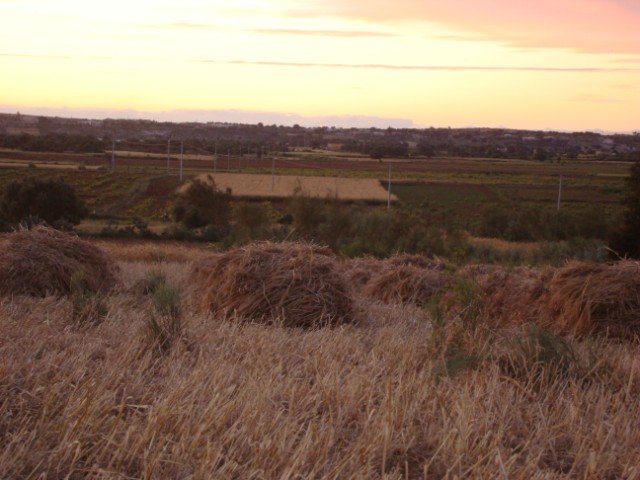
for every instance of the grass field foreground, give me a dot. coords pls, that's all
(402, 393)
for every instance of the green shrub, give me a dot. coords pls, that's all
(251, 221)
(164, 324)
(203, 204)
(54, 201)
(625, 242)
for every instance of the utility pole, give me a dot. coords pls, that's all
(228, 160)
(168, 154)
(559, 192)
(215, 157)
(113, 154)
(181, 158)
(389, 191)
(273, 173)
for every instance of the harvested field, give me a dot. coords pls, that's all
(391, 397)
(297, 284)
(254, 185)
(44, 261)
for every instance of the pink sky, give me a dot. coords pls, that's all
(563, 64)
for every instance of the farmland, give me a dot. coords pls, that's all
(438, 369)
(283, 186)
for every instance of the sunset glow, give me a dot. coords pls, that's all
(567, 65)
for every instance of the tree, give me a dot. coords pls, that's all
(626, 242)
(54, 201)
(203, 204)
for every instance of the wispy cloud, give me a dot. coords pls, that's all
(324, 33)
(229, 116)
(594, 26)
(380, 66)
(36, 57)
(596, 99)
(279, 31)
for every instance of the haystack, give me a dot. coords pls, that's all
(406, 284)
(44, 261)
(360, 270)
(505, 296)
(297, 284)
(420, 261)
(584, 298)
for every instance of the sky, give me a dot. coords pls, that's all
(568, 65)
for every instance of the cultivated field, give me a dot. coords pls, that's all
(406, 389)
(284, 186)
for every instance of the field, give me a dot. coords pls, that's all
(283, 186)
(456, 187)
(405, 391)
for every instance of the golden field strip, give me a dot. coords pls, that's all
(282, 186)
(402, 393)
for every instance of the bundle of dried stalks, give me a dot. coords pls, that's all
(405, 284)
(297, 284)
(506, 296)
(360, 270)
(44, 261)
(420, 261)
(584, 298)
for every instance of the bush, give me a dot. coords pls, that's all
(54, 201)
(626, 241)
(203, 204)
(252, 221)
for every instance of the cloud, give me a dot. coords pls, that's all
(35, 57)
(594, 26)
(327, 33)
(594, 98)
(453, 68)
(279, 31)
(228, 116)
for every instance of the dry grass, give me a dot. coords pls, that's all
(297, 284)
(134, 250)
(360, 270)
(583, 298)
(392, 397)
(44, 261)
(406, 284)
(507, 296)
(393, 274)
(255, 185)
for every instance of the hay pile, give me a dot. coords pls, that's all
(505, 296)
(44, 261)
(402, 278)
(406, 284)
(420, 261)
(298, 284)
(584, 298)
(360, 270)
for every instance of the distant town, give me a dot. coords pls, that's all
(54, 134)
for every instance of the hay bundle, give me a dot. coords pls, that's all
(505, 296)
(420, 261)
(585, 298)
(405, 285)
(44, 261)
(298, 284)
(360, 270)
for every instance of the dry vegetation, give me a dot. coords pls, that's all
(44, 261)
(283, 186)
(294, 284)
(403, 392)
